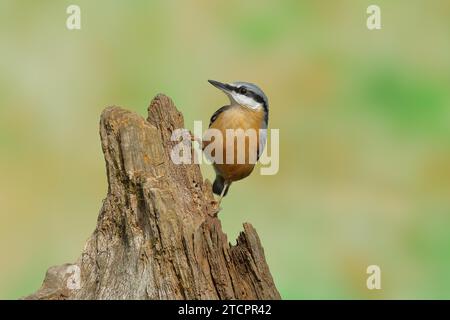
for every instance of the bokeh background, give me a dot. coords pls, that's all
(364, 119)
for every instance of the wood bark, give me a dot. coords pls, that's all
(156, 235)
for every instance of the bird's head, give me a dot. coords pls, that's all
(244, 94)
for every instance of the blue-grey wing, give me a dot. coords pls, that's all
(216, 114)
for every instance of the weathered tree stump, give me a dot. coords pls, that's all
(156, 236)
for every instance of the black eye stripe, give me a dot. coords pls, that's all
(247, 93)
(253, 95)
(257, 97)
(238, 90)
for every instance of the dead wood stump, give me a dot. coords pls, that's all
(155, 236)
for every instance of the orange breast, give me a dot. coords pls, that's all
(238, 118)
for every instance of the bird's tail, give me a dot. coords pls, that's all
(219, 184)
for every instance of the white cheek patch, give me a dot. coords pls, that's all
(243, 100)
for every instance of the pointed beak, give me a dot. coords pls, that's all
(222, 86)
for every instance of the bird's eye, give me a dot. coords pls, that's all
(242, 90)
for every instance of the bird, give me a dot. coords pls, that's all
(248, 109)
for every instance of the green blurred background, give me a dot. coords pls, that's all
(364, 119)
